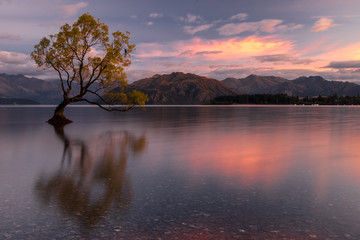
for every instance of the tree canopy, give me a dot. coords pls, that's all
(90, 63)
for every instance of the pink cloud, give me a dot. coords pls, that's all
(239, 16)
(190, 18)
(20, 63)
(243, 56)
(13, 57)
(5, 36)
(228, 49)
(323, 24)
(236, 57)
(73, 9)
(195, 29)
(343, 53)
(267, 25)
(155, 15)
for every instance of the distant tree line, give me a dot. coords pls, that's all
(285, 99)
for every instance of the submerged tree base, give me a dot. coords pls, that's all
(58, 120)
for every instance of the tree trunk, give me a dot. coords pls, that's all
(58, 118)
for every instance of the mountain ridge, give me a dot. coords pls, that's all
(180, 88)
(22, 87)
(185, 88)
(253, 84)
(301, 86)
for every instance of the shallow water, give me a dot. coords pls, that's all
(239, 172)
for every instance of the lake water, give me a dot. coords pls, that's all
(237, 172)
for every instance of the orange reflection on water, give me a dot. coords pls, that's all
(317, 151)
(251, 158)
(346, 159)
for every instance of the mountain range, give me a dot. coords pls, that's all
(29, 89)
(301, 87)
(182, 88)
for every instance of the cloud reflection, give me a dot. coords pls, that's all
(251, 159)
(267, 146)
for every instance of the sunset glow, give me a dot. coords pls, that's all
(211, 50)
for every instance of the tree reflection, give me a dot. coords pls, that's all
(92, 177)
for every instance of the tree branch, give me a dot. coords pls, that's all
(94, 70)
(127, 108)
(61, 79)
(67, 73)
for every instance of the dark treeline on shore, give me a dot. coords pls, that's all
(285, 99)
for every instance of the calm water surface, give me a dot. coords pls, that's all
(248, 172)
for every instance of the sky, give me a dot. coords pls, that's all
(217, 39)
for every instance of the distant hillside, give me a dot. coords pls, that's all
(21, 87)
(255, 84)
(302, 86)
(180, 88)
(315, 86)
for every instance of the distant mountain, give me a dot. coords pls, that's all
(21, 87)
(315, 86)
(255, 84)
(181, 88)
(301, 87)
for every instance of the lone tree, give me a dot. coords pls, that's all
(89, 63)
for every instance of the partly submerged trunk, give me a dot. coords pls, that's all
(59, 118)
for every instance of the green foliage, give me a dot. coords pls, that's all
(84, 54)
(138, 97)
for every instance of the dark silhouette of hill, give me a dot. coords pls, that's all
(316, 85)
(22, 87)
(301, 87)
(181, 88)
(255, 84)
